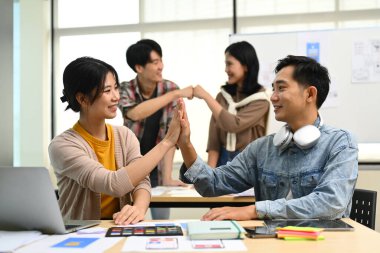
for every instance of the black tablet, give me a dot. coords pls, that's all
(260, 232)
(327, 225)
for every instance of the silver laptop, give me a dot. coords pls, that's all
(28, 202)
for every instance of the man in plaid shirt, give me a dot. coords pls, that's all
(147, 104)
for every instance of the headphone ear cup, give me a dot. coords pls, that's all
(306, 136)
(283, 137)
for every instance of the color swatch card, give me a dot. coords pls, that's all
(144, 231)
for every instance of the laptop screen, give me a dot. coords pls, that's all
(28, 201)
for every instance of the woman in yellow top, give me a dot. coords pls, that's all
(100, 171)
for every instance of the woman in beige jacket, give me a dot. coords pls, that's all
(240, 110)
(100, 171)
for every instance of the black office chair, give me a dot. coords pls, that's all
(363, 208)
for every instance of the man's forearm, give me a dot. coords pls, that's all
(189, 154)
(150, 106)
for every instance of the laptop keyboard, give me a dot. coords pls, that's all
(71, 226)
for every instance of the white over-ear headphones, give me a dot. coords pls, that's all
(305, 137)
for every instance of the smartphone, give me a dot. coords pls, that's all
(260, 232)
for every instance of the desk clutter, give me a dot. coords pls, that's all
(178, 236)
(141, 237)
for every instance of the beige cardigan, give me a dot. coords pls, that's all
(81, 178)
(233, 107)
(249, 123)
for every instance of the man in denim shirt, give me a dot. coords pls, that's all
(310, 174)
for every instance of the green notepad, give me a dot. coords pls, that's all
(200, 230)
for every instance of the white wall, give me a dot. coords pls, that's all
(35, 85)
(355, 105)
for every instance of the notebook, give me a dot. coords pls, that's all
(28, 202)
(228, 229)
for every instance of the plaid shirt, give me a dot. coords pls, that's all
(131, 96)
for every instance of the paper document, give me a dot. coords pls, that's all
(248, 193)
(73, 242)
(157, 191)
(11, 240)
(139, 244)
(174, 190)
(92, 230)
(184, 192)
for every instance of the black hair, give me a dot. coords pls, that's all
(139, 53)
(308, 72)
(87, 76)
(245, 53)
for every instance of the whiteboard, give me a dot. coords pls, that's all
(355, 105)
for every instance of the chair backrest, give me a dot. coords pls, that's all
(363, 208)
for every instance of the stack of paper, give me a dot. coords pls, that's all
(247, 193)
(11, 240)
(300, 233)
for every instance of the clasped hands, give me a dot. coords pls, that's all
(179, 128)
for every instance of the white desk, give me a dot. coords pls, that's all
(362, 240)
